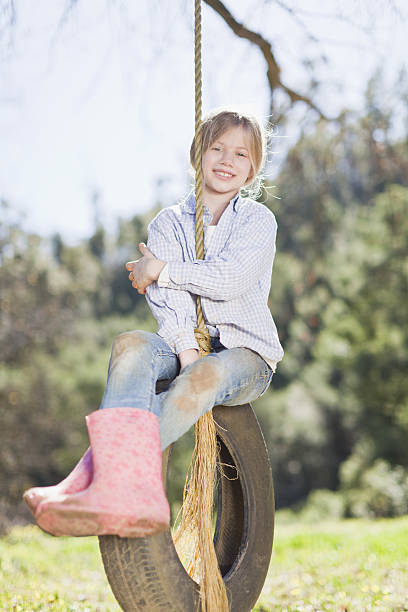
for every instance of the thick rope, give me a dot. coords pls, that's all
(198, 491)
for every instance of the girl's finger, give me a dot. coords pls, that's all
(134, 284)
(131, 276)
(131, 264)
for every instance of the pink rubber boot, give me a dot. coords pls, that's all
(126, 495)
(78, 480)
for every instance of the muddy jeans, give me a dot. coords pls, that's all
(229, 377)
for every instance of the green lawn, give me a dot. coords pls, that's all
(348, 566)
(354, 565)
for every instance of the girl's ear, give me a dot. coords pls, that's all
(250, 176)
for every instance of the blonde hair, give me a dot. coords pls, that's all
(218, 122)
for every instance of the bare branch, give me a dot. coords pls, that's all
(273, 68)
(69, 6)
(7, 13)
(296, 17)
(8, 20)
(330, 16)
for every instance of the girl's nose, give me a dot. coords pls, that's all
(227, 157)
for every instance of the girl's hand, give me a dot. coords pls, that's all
(144, 271)
(188, 356)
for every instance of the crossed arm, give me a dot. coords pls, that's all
(225, 277)
(238, 267)
(175, 312)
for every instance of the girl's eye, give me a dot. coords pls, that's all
(216, 148)
(242, 154)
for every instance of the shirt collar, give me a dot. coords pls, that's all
(189, 204)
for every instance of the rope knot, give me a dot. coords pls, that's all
(202, 335)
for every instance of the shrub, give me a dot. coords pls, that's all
(321, 505)
(382, 492)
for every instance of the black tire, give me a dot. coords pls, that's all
(145, 574)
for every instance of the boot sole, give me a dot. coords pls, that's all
(92, 522)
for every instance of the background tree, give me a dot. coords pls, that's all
(338, 289)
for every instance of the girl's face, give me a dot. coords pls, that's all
(226, 164)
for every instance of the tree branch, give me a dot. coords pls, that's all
(273, 69)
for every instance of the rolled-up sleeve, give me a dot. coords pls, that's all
(174, 311)
(238, 266)
(164, 279)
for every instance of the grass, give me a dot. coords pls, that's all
(39, 572)
(346, 566)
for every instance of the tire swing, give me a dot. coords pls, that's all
(146, 574)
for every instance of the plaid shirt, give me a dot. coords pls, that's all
(233, 280)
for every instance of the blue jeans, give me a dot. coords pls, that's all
(229, 377)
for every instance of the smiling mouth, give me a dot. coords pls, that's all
(224, 174)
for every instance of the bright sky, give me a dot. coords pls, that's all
(101, 99)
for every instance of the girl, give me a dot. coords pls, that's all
(117, 487)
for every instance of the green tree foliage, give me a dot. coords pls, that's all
(339, 294)
(53, 353)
